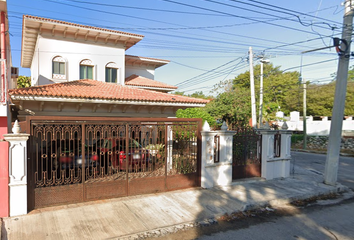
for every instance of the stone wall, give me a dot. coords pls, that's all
(321, 142)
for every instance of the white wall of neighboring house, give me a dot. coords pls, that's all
(148, 72)
(74, 52)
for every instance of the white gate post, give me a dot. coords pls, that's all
(17, 171)
(275, 167)
(285, 150)
(216, 173)
(267, 170)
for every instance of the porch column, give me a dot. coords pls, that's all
(216, 173)
(17, 171)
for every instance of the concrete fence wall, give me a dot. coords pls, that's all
(317, 127)
(220, 173)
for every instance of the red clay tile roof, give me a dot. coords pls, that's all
(80, 25)
(135, 80)
(92, 89)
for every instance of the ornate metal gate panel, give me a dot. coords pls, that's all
(246, 153)
(89, 159)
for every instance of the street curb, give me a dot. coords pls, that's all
(159, 232)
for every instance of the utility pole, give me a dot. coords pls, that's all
(261, 92)
(332, 159)
(301, 80)
(304, 115)
(253, 98)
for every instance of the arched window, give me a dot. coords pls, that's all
(58, 67)
(111, 72)
(86, 69)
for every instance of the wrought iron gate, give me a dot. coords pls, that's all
(89, 159)
(246, 151)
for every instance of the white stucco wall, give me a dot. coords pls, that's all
(74, 52)
(148, 72)
(319, 128)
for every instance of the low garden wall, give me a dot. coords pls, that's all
(321, 142)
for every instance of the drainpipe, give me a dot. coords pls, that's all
(3, 56)
(3, 45)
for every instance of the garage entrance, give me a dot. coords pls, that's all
(75, 160)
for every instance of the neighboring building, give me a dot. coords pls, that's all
(5, 120)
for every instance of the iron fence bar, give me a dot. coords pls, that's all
(127, 156)
(83, 165)
(166, 151)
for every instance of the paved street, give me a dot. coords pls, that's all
(329, 222)
(316, 162)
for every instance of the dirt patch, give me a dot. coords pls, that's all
(313, 200)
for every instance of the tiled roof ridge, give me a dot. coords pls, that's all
(163, 85)
(80, 25)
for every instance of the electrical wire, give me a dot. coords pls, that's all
(237, 16)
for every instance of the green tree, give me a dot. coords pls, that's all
(233, 107)
(277, 86)
(320, 99)
(23, 81)
(196, 113)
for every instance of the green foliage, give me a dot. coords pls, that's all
(197, 94)
(233, 107)
(179, 93)
(351, 74)
(158, 147)
(23, 81)
(278, 86)
(295, 138)
(320, 99)
(196, 113)
(233, 102)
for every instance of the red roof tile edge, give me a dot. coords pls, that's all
(92, 89)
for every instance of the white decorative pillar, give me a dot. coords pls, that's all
(216, 173)
(17, 171)
(267, 153)
(285, 150)
(276, 167)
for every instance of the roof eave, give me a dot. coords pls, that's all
(103, 101)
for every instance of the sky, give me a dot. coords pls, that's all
(206, 41)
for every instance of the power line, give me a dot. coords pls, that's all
(253, 11)
(290, 10)
(229, 14)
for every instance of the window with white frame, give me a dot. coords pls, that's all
(58, 68)
(111, 72)
(86, 69)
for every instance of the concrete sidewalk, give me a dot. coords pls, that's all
(133, 217)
